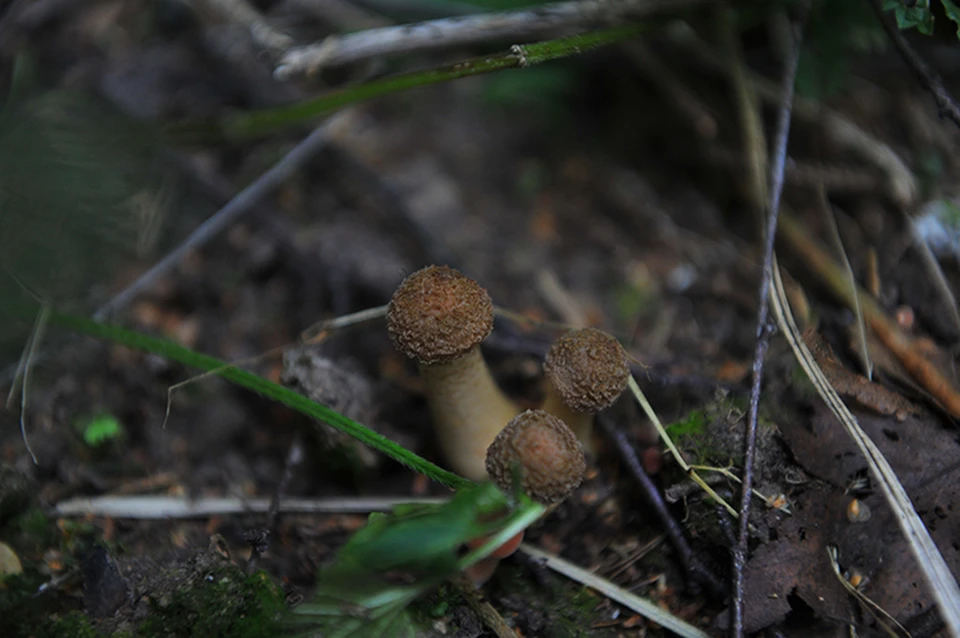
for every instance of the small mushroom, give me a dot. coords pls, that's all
(586, 370)
(549, 457)
(439, 317)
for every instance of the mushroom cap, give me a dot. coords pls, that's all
(588, 369)
(438, 314)
(551, 458)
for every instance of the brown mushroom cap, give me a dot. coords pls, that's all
(438, 314)
(551, 458)
(588, 369)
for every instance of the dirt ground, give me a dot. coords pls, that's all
(609, 190)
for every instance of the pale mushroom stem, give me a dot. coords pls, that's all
(581, 423)
(468, 409)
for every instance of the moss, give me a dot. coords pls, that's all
(800, 383)
(697, 437)
(72, 625)
(436, 604)
(52, 615)
(568, 609)
(222, 602)
(33, 532)
(693, 424)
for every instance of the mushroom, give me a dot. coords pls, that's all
(586, 371)
(551, 466)
(549, 457)
(439, 317)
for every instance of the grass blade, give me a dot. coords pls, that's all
(253, 124)
(291, 399)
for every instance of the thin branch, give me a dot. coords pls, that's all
(775, 189)
(179, 507)
(259, 538)
(542, 21)
(694, 567)
(230, 212)
(928, 77)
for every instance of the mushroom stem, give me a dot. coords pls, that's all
(581, 423)
(439, 317)
(468, 410)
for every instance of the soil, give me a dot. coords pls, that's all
(580, 193)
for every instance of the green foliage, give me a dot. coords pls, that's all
(953, 12)
(837, 31)
(100, 429)
(920, 15)
(916, 17)
(399, 557)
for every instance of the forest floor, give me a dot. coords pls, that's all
(609, 190)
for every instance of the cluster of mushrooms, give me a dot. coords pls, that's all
(439, 317)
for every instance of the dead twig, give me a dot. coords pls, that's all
(180, 507)
(259, 538)
(902, 345)
(541, 21)
(488, 614)
(774, 190)
(928, 77)
(696, 570)
(244, 201)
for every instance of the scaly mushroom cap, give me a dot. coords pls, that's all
(438, 314)
(588, 369)
(551, 458)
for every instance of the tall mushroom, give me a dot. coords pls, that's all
(439, 317)
(586, 371)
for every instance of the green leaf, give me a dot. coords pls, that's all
(100, 429)
(400, 556)
(953, 12)
(918, 16)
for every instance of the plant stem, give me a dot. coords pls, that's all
(252, 124)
